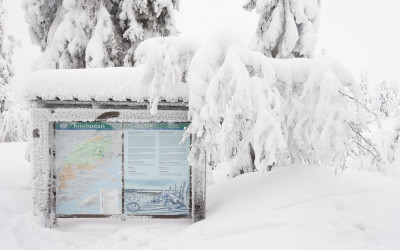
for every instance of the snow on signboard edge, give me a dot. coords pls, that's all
(99, 84)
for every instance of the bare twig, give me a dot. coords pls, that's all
(370, 147)
(357, 101)
(376, 156)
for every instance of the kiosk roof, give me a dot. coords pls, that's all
(99, 84)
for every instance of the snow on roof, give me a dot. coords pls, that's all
(97, 84)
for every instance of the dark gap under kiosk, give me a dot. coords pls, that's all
(112, 159)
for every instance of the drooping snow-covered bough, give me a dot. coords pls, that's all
(256, 112)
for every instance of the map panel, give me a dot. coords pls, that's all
(88, 168)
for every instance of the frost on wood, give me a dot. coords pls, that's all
(40, 165)
(197, 158)
(166, 62)
(79, 34)
(286, 28)
(256, 112)
(42, 147)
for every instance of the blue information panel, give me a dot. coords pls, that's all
(156, 169)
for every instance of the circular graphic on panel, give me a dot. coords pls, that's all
(133, 207)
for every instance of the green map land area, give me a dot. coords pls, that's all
(83, 157)
(87, 151)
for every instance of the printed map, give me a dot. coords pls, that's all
(88, 165)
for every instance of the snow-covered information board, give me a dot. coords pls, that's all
(122, 168)
(88, 168)
(157, 172)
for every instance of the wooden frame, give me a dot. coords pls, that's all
(44, 117)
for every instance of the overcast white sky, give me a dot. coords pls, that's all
(364, 35)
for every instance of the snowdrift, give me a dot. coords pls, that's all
(294, 207)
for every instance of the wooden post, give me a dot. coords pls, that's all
(51, 216)
(199, 189)
(41, 184)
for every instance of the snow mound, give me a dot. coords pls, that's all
(315, 208)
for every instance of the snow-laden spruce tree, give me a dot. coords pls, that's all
(166, 61)
(73, 33)
(396, 149)
(242, 97)
(382, 102)
(13, 119)
(326, 121)
(96, 33)
(142, 19)
(6, 50)
(387, 99)
(256, 112)
(40, 15)
(104, 48)
(204, 66)
(286, 28)
(234, 108)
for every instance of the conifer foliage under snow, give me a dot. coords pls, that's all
(255, 112)
(166, 61)
(13, 119)
(100, 33)
(286, 28)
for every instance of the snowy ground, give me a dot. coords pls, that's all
(294, 207)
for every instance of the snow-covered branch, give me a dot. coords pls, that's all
(287, 28)
(80, 34)
(166, 61)
(256, 111)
